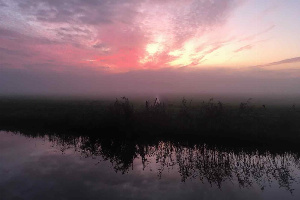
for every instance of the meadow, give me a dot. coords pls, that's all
(242, 123)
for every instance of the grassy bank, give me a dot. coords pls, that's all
(210, 120)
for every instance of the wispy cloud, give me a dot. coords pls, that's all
(2, 4)
(254, 36)
(243, 48)
(10, 52)
(285, 61)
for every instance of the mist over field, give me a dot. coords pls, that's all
(220, 82)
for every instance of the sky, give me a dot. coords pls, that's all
(75, 46)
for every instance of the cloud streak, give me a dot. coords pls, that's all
(285, 61)
(252, 37)
(243, 48)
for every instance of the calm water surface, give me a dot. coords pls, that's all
(65, 167)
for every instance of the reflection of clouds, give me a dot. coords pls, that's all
(211, 165)
(70, 176)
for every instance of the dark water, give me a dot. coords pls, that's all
(65, 167)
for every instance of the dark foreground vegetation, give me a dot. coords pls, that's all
(208, 120)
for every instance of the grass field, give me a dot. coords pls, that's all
(183, 118)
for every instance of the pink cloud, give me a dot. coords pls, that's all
(243, 48)
(254, 36)
(113, 34)
(285, 61)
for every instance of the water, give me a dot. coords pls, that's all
(66, 167)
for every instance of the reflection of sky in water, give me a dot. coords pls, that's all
(32, 168)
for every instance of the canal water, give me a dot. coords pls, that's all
(68, 167)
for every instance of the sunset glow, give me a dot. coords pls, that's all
(150, 99)
(113, 37)
(127, 35)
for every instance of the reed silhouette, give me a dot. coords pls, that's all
(213, 164)
(208, 120)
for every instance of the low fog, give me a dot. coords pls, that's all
(171, 81)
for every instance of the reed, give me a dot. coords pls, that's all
(207, 119)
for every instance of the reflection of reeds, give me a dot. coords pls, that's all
(210, 164)
(210, 119)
